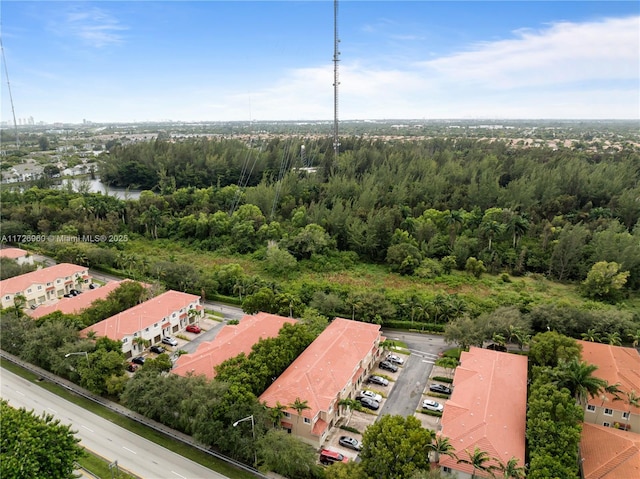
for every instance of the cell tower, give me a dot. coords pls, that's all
(13, 111)
(336, 82)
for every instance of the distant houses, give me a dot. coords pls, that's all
(19, 255)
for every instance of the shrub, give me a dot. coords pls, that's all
(350, 429)
(442, 379)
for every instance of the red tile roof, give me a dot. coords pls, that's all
(12, 253)
(230, 341)
(615, 365)
(76, 304)
(609, 453)
(21, 283)
(142, 315)
(487, 408)
(325, 368)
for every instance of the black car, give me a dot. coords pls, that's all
(75, 292)
(350, 442)
(157, 349)
(378, 380)
(369, 403)
(138, 360)
(439, 388)
(388, 366)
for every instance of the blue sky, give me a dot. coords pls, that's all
(111, 61)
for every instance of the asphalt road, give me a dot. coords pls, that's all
(134, 453)
(406, 395)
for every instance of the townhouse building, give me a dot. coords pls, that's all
(487, 410)
(332, 368)
(46, 284)
(150, 321)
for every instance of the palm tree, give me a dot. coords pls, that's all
(613, 339)
(441, 445)
(633, 400)
(478, 460)
(577, 377)
(591, 335)
(612, 389)
(299, 405)
(351, 405)
(511, 470)
(277, 413)
(635, 337)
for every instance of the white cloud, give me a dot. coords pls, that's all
(95, 27)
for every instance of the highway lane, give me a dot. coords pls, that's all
(139, 455)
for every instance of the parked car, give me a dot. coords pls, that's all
(170, 341)
(432, 405)
(131, 367)
(370, 394)
(157, 349)
(93, 286)
(369, 403)
(439, 388)
(328, 457)
(388, 366)
(75, 292)
(194, 328)
(68, 295)
(350, 442)
(378, 380)
(394, 358)
(138, 360)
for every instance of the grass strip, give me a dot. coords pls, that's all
(135, 427)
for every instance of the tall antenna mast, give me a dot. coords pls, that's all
(6, 72)
(336, 82)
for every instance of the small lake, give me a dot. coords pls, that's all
(97, 186)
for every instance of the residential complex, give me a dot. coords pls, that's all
(616, 365)
(609, 453)
(332, 368)
(46, 284)
(19, 255)
(75, 304)
(150, 321)
(487, 410)
(229, 342)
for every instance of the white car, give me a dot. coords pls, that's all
(170, 341)
(432, 405)
(371, 395)
(394, 358)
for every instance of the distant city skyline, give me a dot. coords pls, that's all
(144, 61)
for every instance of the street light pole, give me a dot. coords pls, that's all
(253, 432)
(78, 354)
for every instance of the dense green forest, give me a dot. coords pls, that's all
(244, 220)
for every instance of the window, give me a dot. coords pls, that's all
(307, 420)
(39, 287)
(446, 469)
(135, 334)
(155, 325)
(625, 415)
(146, 330)
(591, 408)
(58, 281)
(173, 315)
(606, 424)
(286, 414)
(125, 340)
(608, 412)
(29, 290)
(7, 297)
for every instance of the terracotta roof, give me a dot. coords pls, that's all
(142, 315)
(615, 365)
(325, 368)
(12, 253)
(21, 283)
(487, 408)
(75, 304)
(230, 341)
(609, 453)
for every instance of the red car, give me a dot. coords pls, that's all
(192, 328)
